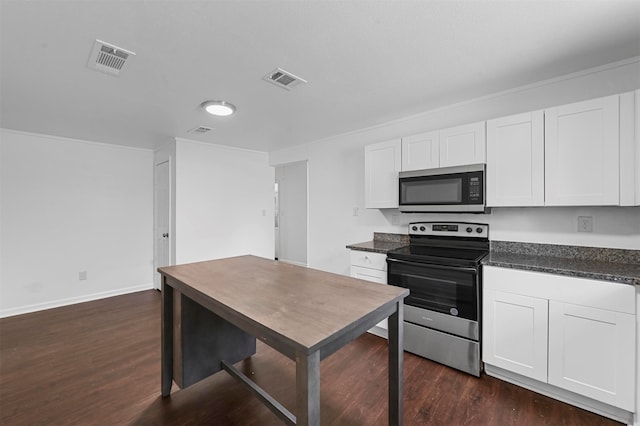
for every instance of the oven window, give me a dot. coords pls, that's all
(435, 191)
(449, 291)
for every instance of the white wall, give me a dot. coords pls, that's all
(224, 202)
(69, 206)
(336, 175)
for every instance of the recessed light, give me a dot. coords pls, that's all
(219, 108)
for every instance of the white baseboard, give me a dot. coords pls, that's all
(379, 331)
(568, 397)
(292, 262)
(72, 300)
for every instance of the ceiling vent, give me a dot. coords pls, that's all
(284, 79)
(200, 130)
(108, 58)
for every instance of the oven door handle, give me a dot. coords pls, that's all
(431, 265)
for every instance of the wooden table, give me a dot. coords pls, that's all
(213, 311)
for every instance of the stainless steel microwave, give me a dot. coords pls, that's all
(459, 189)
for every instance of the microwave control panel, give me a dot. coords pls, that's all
(475, 188)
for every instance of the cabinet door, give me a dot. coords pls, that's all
(515, 333)
(421, 151)
(592, 352)
(463, 145)
(582, 153)
(630, 148)
(515, 160)
(373, 275)
(381, 166)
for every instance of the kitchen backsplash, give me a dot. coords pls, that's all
(391, 238)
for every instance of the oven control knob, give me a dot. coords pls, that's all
(422, 228)
(469, 229)
(479, 230)
(414, 228)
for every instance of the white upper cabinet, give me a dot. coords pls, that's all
(580, 154)
(382, 163)
(463, 145)
(582, 163)
(630, 148)
(421, 151)
(585, 153)
(515, 160)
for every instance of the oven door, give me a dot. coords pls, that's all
(448, 290)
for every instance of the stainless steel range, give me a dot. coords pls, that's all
(441, 268)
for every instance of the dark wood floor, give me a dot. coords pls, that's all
(98, 363)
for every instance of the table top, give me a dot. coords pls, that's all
(303, 307)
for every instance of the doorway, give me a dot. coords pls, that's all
(291, 218)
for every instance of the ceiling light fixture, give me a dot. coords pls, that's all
(219, 108)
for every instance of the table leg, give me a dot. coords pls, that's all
(166, 348)
(308, 389)
(396, 360)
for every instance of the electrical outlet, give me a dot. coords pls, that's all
(82, 275)
(395, 219)
(356, 211)
(585, 223)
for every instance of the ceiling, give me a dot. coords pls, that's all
(366, 62)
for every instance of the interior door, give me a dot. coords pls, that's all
(162, 219)
(292, 213)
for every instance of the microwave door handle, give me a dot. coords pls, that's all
(430, 265)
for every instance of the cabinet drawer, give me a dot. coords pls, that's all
(370, 260)
(375, 275)
(607, 295)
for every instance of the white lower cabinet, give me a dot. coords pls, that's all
(575, 334)
(516, 339)
(371, 267)
(592, 352)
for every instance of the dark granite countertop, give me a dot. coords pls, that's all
(381, 243)
(616, 265)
